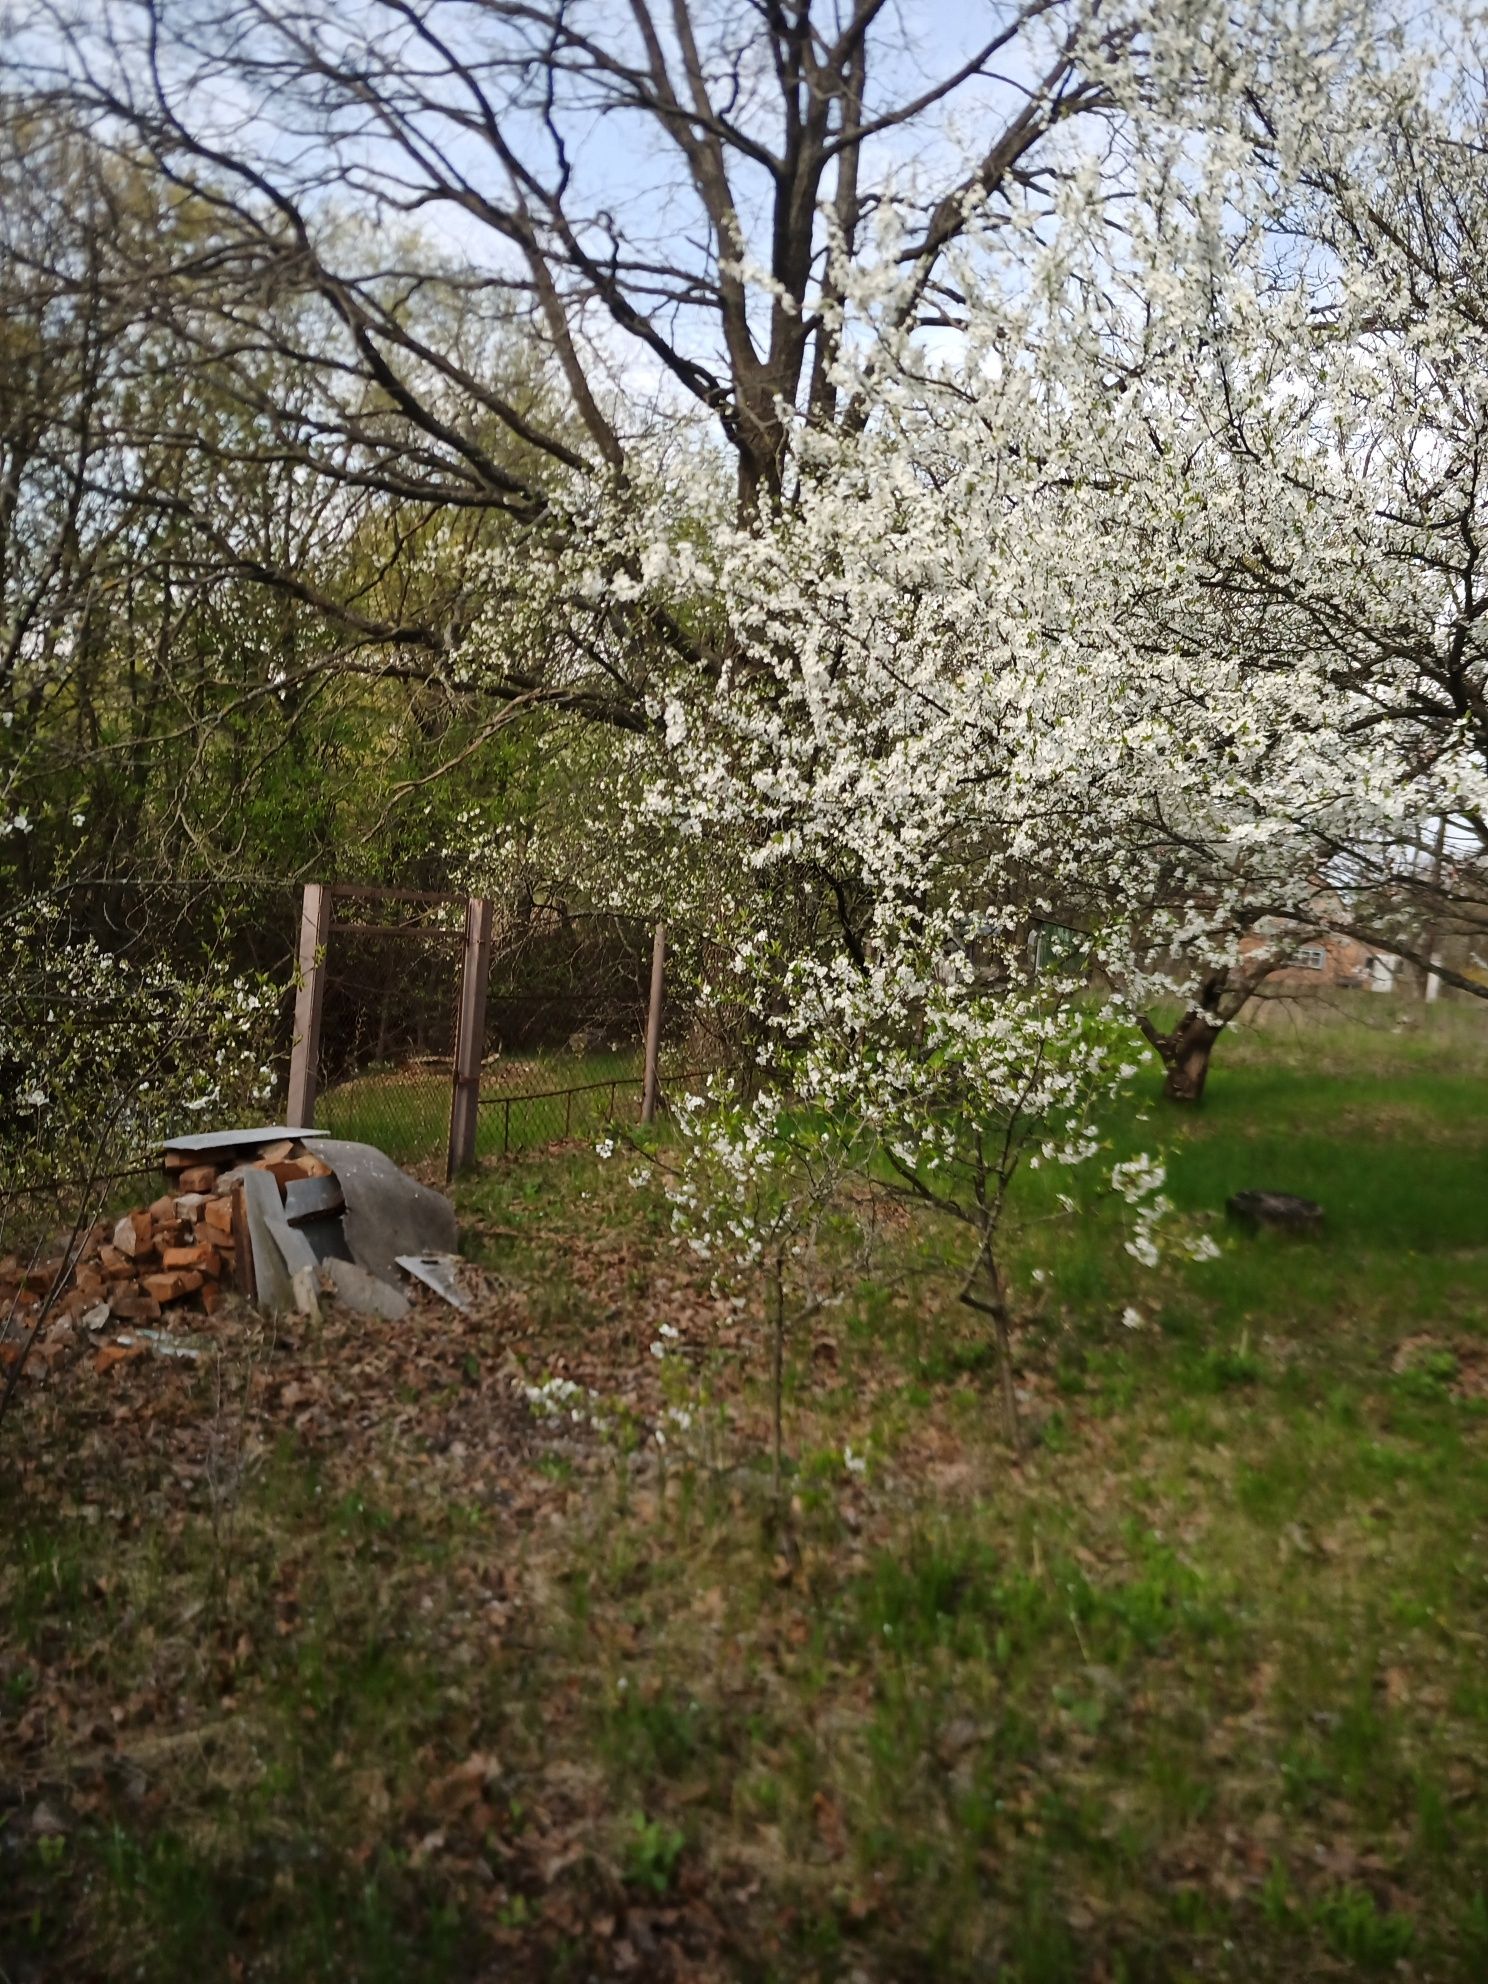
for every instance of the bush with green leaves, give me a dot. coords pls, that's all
(102, 1057)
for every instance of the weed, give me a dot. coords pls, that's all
(650, 1852)
(1359, 1931)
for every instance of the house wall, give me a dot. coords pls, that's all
(1324, 964)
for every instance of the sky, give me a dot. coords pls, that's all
(622, 164)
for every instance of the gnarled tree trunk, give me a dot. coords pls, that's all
(1185, 1051)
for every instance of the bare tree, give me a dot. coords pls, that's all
(662, 202)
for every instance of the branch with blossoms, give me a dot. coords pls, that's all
(756, 1190)
(87, 1035)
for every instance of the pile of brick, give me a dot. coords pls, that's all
(172, 1256)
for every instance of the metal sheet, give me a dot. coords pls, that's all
(439, 1272)
(210, 1140)
(306, 1199)
(387, 1212)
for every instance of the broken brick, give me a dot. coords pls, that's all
(217, 1214)
(172, 1285)
(200, 1255)
(139, 1307)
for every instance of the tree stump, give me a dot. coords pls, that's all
(1276, 1212)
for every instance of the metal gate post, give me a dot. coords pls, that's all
(653, 1023)
(304, 1056)
(470, 1034)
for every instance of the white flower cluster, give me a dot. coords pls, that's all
(1139, 1181)
(99, 1051)
(1118, 620)
(563, 1398)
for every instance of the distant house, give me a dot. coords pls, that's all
(1325, 962)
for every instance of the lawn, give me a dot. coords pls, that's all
(526, 1104)
(333, 1656)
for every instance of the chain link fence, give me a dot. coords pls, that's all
(566, 1018)
(563, 1052)
(391, 978)
(563, 1048)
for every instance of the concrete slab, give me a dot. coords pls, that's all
(387, 1212)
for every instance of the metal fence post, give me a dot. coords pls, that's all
(653, 1023)
(470, 1034)
(304, 1058)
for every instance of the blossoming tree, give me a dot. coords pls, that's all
(984, 678)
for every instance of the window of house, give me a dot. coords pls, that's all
(1311, 957)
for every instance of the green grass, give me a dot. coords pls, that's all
(524, 1105)
(1194, 1688)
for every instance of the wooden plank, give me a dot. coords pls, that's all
(396, 930)
(368, 893)
(304, 1060)
(653, 1023)
(470, 1034)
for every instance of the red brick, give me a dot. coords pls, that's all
(198, 1256)
(217, 1214)
(171, 1286)
(138, 1308)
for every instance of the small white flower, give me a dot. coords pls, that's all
(1133, 1319)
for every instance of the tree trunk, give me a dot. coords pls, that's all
(777, 1369)
(994, 1304)
(1185, 1052)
